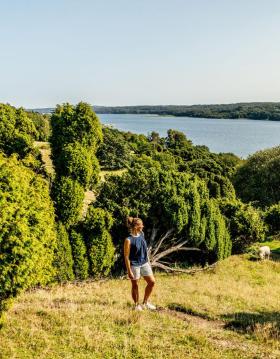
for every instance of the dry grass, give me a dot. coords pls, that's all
(231, 312)
(44, 148)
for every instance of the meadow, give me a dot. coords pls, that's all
(231, 311)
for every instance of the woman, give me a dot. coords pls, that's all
(137, 263)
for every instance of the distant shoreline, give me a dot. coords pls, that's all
(265, 111)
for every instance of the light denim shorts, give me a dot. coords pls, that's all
(143, 270)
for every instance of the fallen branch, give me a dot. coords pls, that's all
(181, 270)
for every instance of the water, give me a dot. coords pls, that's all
(241, 137)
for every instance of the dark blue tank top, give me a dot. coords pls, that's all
(138, 250)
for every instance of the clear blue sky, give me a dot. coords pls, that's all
(129, 52)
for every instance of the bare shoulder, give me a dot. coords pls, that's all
(127, 241)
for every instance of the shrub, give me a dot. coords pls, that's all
(272, 218)
(79, 251)
(245, 224)
(68, 195)
(76, 161)
(63, 256)
(258, 180)
(17, 131)
(98, 240)
(27, 230)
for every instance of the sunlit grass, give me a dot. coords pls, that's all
(230, 312)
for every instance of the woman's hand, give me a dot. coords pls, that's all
(130, 275)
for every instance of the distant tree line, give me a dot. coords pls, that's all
(252, 110)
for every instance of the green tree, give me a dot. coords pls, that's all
(258, 180)
(17, 131)
(75, 124)
(81, 265)
(68, 195)
(245, 224)
(114, 153)
(63, 255)
(100, 248)
(76, 161)
(174, 206)
(42, 125)
(272, 218)
(27, 230)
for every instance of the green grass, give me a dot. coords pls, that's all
(230, 312)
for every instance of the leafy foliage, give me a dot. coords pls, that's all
(42, 125)
(76, 161)
(258, 179)
(272, 218)
(69, 195)
(114, 153)
(17, 131)
(75, 124)
(165, 200)
(27, 230)
(63, 256)
(81, 265)
(100, 248)
(245, 224)
(76, 134)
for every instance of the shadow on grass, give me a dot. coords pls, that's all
(182, 309)
(264, 324)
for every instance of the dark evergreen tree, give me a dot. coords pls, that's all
(79, 251)
(63, 261)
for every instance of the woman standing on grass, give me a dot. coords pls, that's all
(137, 263)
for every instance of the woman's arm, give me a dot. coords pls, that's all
(126, 258)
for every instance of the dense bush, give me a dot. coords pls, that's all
(245, 224)
(27, 230)
(63, 256)
(258, 180)
(272, 218)
(68, 195)
(76, 135)
(42, 125)
(17, 131)
(72, 124)
(115, 152)
(166, 200)
(100, 248)
(76, 161)
(79, 252)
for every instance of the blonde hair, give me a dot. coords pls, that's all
(131, 222)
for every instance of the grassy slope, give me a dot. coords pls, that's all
(231, 312)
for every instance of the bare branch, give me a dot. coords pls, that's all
(167, 234)
(152, 239)
(168, 251)
(181, 270)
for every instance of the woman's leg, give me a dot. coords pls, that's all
(150, 279)
(135, 290)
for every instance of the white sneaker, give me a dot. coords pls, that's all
(149, 306)
(138, 307)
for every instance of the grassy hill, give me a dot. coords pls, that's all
(229, 312)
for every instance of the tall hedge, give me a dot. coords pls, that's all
(63, 261)
(76, 135)
(100, 248)
(68, 195)
(27, 230)
(79, 251)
